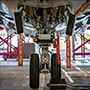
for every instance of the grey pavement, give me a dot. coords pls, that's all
(17, 78)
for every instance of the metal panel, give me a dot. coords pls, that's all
(29, 48)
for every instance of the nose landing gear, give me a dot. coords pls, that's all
(56, 82)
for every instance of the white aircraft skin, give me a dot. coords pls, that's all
(12, 4)
(11, 7)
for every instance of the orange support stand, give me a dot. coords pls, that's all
(20, 51)
(58, 50)
(68, 53)
(73, 46)
(83, 45)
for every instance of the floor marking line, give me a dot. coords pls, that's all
(82, 71)
(42, 80)
(66, 74)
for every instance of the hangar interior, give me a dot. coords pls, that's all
(45, 44)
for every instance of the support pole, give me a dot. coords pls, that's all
(73, 46)
(58, 50)
(68, 53)
(20, 51)
(7, 45)
(10, 45)
(83, 45)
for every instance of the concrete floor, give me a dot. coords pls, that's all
(14, 78)
(17, 78)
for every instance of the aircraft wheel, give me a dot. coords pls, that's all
(34, 71)
(55, 69)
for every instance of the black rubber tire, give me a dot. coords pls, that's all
(34, 71)
(55, 69)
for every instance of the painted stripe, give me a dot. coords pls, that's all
(66, 74)
(42, 80)
(82, 71)
(88, 72)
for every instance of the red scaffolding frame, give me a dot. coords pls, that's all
(11, 50)
(83, 53)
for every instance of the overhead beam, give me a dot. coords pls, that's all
(83, 8)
